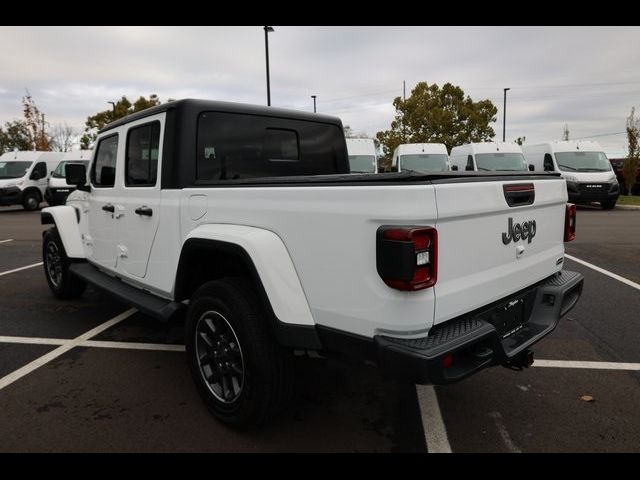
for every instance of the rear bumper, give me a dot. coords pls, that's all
(10, 196)
(476, 340)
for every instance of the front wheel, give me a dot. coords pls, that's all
(608, 204)
(62, 283)
(31, 201)
(244, 376)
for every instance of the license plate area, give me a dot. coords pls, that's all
(510, 317)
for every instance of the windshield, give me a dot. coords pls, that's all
(424, 163)
(14, 169)
(59, 172)
(362, 163)
(511, 162)
(583, 162)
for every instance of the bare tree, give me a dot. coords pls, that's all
(350, 133)
(34, 120)
(565, 132)
(63, 137)
(630, 165)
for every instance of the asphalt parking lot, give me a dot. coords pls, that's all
(124, 386)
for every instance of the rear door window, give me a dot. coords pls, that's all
(236, 146)
(141, 166)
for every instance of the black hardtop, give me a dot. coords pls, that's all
(190, 106)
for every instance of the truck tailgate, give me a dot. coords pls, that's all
(476, 265)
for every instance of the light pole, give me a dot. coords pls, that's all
(266, 49)
(504, 116)
(314, 103)
(113, 110)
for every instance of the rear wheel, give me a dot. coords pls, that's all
(62, 283)
(608, 204)
(31, 201)
(244, 376)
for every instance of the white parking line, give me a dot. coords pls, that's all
(34, 340)
(134, 346)
(435, 432)
(62, 349)
(8, 240)
(587, 365)
(162, 347)
(20, 269)
(615, 276)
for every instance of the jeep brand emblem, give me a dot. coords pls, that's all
(524, 231)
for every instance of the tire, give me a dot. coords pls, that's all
(257, 371)
(608, 205)
(31, 201)
(62, 283)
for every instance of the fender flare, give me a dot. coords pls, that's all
(272, 270)
(65, 219)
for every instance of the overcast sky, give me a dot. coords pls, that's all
(588, 77)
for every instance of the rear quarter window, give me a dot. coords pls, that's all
(235, 146)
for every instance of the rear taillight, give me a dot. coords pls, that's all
(570, 223)
(407, 257)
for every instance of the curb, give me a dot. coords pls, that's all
(628, 207)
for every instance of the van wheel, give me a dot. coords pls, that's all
(608, 205)
(31, 201)
(244, 376)
(62, 283)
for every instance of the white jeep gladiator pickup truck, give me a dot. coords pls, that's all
(246, 221)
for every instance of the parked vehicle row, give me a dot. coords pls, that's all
(583, 164)
(29, 177)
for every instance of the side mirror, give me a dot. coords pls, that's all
(35, 175)
(469, 168)
(454, 168)
(75, 174)
(532, 168)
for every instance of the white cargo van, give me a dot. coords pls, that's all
(24, 176)
(57, 191)
(584, 166)
(488, 156)
(363, 157)
(420, 158)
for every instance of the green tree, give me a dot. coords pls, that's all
(630, 166)
(122, 108)
(15, 135)
(438, 115)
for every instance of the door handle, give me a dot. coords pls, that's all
(108, 208)
(144, 210)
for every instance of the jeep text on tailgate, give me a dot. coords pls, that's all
(246, 220)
